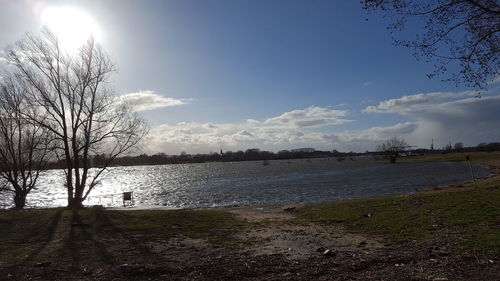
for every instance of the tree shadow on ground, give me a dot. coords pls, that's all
(47, 233)
(82, 243)
(94, 239)
(131, 244)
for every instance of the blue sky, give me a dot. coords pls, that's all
(271, 74)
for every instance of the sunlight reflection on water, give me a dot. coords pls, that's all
(282, 182)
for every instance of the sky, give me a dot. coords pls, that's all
(270, 74)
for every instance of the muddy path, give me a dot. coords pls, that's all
(279, 231)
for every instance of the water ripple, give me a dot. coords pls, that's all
(281, 182)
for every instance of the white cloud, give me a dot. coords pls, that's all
(368, 139)
(417, 102)
(253, 121)
(379, 133)
(312, 116)
(289, 130)
(196, 137)
(148, 100)
(447, 117)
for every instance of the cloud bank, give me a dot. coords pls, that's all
(313, 116)
(290, 129)
(442, 116)
(447, 117)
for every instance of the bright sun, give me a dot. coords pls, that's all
(72, 26)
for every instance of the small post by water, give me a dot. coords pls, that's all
(128, 196)
(471, 171)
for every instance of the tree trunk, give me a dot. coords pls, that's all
(20, 200)
(75, 203)
(393, 159)
(78, 199)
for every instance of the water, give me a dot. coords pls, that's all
(299, 181)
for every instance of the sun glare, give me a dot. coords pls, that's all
(72, 26)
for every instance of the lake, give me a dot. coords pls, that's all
(297, 181)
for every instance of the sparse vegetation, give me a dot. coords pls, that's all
(393, 147)
(481, 158)
(471, 215)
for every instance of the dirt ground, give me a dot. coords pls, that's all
(279, 245)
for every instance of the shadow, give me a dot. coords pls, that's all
(38, 230)
(134, 250)
(49, 234)
(106, 225)
(81, 242)
(103, 222)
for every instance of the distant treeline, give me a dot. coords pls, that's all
(257, 154)
(228, 156)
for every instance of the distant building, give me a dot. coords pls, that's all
(305, 149)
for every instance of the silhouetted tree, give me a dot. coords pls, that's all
(458, 146)
(24, 145)
(448, 147)
(492, 146)
(73, 92)
(465, 32)
(393, 147)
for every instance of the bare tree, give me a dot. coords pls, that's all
(393, 147)
(458, 146)
(73, 91)
(24, 146)
(456, 33)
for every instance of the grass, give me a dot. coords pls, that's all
(471, 215)
(484, 158)
(97, 235)
(214, 225)
(474, 215)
